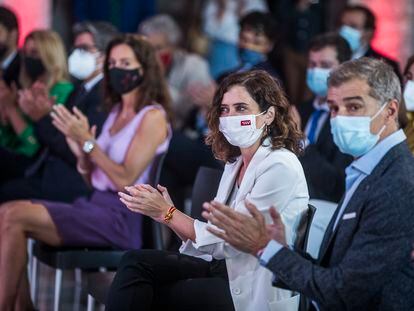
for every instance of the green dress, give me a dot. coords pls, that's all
(26, 142)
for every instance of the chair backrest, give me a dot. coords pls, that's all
(204, 189)
(151, 230)
(302, 232)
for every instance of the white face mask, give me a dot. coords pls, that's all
(82, 64)
(241, 131)
(409, 95)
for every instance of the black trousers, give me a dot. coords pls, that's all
(12, 165)
(160, 280)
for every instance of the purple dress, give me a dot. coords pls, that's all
(101, 219)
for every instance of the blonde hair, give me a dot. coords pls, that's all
(52, 54)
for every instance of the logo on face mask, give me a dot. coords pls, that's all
(353, 135)
(241, 131)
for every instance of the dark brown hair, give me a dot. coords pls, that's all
(153, 88)
(266, 92)
(334, 40)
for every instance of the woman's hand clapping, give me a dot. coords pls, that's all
(147, 200)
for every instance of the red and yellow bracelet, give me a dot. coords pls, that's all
(169, 214)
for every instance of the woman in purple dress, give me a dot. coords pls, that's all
(136, 130)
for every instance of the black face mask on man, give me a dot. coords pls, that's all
(124, 80)
(34, 67)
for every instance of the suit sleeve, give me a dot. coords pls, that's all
(379, 248)
(54, 140)
(326, 178)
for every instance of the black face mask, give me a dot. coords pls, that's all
(3, 49)
(34, 67)
(124, 80)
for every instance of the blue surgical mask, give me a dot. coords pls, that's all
(317, 80)
(251, 57)
(352, 36)
(353, 135)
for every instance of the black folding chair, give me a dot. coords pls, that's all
(84, 258)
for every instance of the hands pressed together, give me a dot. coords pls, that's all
(35, 101)
(75, 126)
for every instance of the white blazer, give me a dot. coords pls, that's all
(273, 177)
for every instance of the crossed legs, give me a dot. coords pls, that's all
(18, 221)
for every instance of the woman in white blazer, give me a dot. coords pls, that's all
(252, 131)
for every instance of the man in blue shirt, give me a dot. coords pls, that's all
(364, 260)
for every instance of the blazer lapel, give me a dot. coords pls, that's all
(250, 174)
(227, 180)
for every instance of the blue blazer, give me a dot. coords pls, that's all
(365, 263)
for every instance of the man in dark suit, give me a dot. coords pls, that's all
(9, 56)
(54, 175)
(324, 165)
(358, 24)
(364, 262)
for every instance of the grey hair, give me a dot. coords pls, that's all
(380, 77)
(102, 32)
(162, 24)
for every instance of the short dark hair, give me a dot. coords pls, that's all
(267, 92)
(102, 32)
(332, 39)
(8, 19)
(383, 82)
(370, 19)
(260, 22)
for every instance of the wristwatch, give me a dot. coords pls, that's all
(88, 146)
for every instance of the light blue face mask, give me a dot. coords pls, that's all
(317, 80)
(352, 36)
(353, 135)
(251, 57)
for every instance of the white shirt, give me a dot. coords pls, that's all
(90, 84)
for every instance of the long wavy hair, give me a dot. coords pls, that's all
(153, 88)
(266, 92)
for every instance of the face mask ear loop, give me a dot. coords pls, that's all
(378, 112)
(376, 115)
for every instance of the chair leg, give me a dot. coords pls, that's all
(33, 279)
(78, 276)
(91, 303)
(58, 287)
(30, 244)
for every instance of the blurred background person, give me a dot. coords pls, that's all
(56, 161)
(221, 25)
(407, 107)
(10, 59)
(323, 163)
(181, 68)
(43, 76)
(135, 132)
(358, 25)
